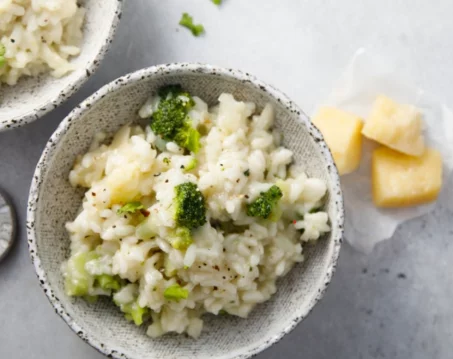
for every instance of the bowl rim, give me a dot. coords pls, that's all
(72, 87)
(156, 72)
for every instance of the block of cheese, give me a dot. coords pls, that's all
(400, 180)
(398, 126)
(342, 132)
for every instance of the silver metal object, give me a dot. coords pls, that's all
(7, 226)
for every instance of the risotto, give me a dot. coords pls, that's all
(200, 211)
(38, 36)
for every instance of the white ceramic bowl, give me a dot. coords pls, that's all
(32, 97)
(53, 202)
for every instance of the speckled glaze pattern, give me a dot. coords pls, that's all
(7, 225)
(33, 97)
(53, 202)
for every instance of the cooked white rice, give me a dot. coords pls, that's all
(39, 36)
(224, 271)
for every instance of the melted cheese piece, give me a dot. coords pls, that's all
(342, 132)
(397, 126)
(400, 180)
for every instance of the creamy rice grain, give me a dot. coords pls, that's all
(39, 36)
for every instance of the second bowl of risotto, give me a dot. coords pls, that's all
(185, 211)
(48, 49)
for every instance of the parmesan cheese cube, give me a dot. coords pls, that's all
(397, 126)
(342, 133)
(400, 180)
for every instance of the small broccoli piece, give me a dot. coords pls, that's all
(167, 161)
(187, 21)
(192, 164)
(217, 2)
(126, 300)
(169, 118)
(77, 279)
(107, 282)
(265, 204)
(188, 137)
(2, 53)
(171, 122)
(134, 312)
(131, 207)
(181, 239)
(190, 206)
(176, 292)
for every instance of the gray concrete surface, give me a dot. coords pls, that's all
(394, 303)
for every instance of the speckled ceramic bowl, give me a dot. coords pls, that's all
(32, 97)
(53, 202)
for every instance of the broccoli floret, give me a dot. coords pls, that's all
(190, 206)
(187, 21)
(176, 292)
(265, 204)
(171, 122)
(169, 118)
(188, 137)
(217, 2)
(2, 53)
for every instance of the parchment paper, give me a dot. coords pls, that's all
(367, 76)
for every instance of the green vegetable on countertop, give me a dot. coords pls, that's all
(266, 205)
(170, 120)
(176, 292)
(131, 207)
(190, 206)
(187, 21)
(217, 2)
(2, 53)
